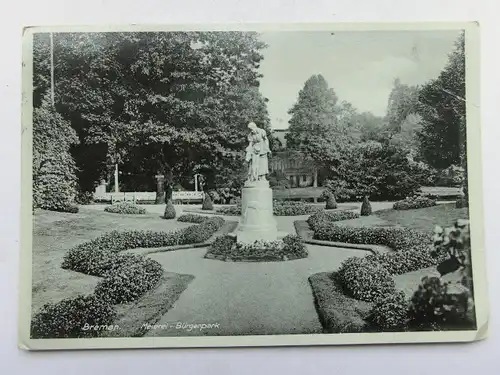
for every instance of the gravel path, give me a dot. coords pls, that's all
(246, 298)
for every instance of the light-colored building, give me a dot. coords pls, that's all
(299, 171)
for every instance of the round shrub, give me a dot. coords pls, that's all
(390, 312)
(169, 211)
(125, 208)
(67, 318)
(365, 280)
(329, 197)
(128, 282)
(414, 202)
(207, 203)
(366, 207)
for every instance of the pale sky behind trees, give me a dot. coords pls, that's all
(360, 66)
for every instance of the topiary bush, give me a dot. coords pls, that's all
(390, 312)
(366, 207)
(207, 203)
(130, 280)
(69, 317)
(414, 202)
(169, 211)
(329, 197)
(365, 280)
(125, 208)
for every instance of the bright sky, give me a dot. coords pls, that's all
(360, 66)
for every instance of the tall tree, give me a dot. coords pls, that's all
(442, 108)
(314, 128)
(403, 101)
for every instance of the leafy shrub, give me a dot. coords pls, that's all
(54, 169)
(331, 203)
(364, 279)
(130, 280)
(390, 312)
(280, 208)
(84, 197)
(290, 208)
(366, 207)
(323, 217)
(214, 195)
(191, 218)
(433, 307)
(169, 211)
(207, 203)
(125, 208)
(414, 202)
(226, 247)
(66, 318)
(201, 232)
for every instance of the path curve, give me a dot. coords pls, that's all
(246, 298)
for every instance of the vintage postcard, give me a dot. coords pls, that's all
(251, 185)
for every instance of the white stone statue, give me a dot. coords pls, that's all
(257, 154)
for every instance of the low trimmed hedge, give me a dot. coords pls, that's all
(69, 317)
(280, 208)
(365, 280)
(191, 218)
(321, 217)
(125, 208)
(226, 248)
(415, 202)
(130, 281)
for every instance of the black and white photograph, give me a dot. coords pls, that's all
(251, 186)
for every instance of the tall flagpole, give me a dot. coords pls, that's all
(52, 70)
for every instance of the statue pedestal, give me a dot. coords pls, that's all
(257, 221)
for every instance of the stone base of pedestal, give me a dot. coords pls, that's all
(257, 221)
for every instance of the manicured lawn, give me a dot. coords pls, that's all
(55, 233)
(422, 219)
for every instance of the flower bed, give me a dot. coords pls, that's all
(226, 248)
(321, 217)
(280, 208)
(125, 208)
(414, 202)
(191, 218)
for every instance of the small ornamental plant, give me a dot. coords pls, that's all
(207, 203)
(366, 207)
(169, 211)
(331, 203)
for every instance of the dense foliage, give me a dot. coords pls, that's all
(324, 217)
(54, 170)
(390, 312)
(365, 280)
(191, 218)
(414, 202)
(125, 208)
(65, 319)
